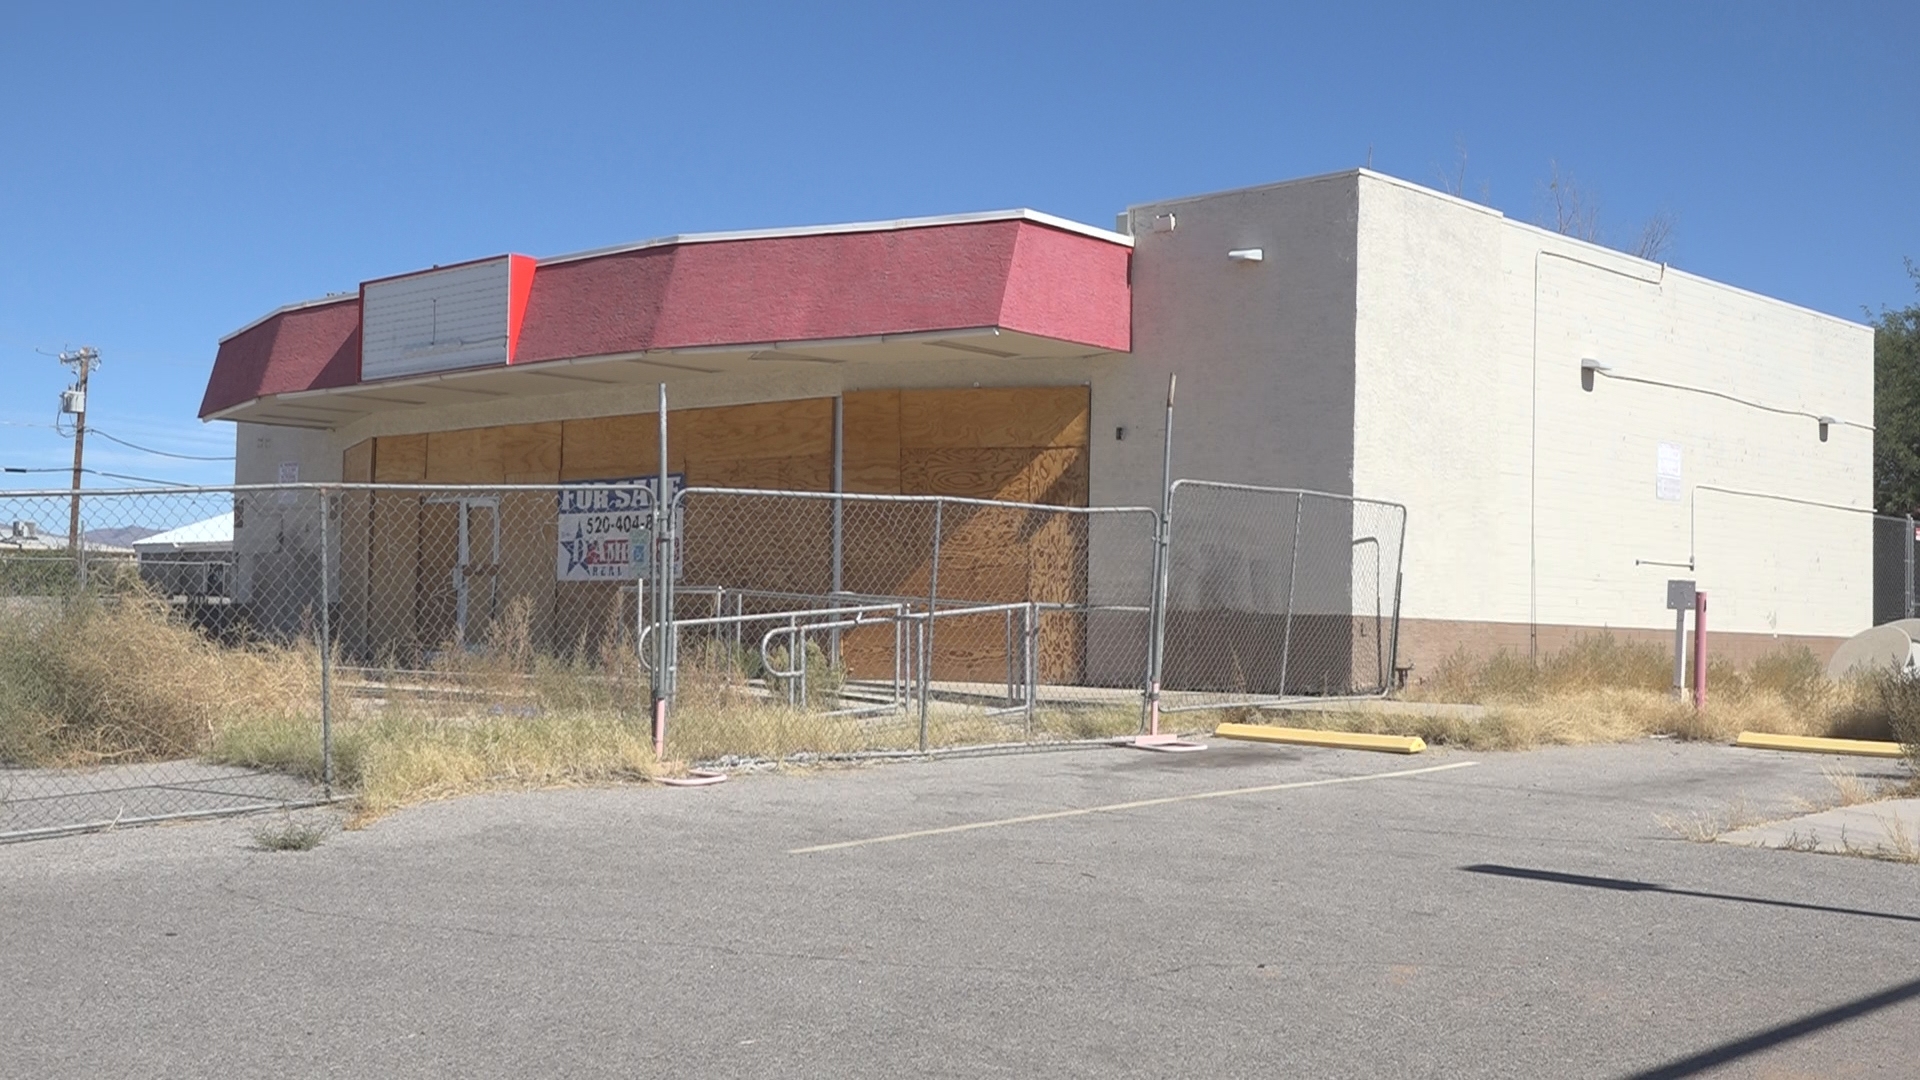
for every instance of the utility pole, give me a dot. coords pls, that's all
(74, 402)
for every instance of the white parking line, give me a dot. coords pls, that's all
(1135, 805)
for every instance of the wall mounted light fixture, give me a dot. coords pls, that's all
(1588, 368)
(1825, 423)
(1247, 255)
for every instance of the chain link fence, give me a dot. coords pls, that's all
(207, 651)
(127, 648)
(813, 623)
(1893, 568)
(1276, 593)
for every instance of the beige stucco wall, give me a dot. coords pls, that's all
(1533, 500)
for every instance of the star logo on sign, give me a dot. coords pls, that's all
(576, 549)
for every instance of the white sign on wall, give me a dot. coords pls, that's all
(437, 320)
(598, 522)
(1666, 476)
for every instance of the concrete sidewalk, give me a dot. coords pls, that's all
(1889, 829)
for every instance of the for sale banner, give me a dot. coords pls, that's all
(605, 528)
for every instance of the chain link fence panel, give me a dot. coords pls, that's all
(1893, 568)
(1276, 593)
(145, 636)
(814, 623)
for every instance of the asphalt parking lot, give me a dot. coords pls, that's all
(1248, 911)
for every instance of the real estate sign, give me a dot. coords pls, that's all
(599, 521)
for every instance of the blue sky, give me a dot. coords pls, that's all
(170, 172)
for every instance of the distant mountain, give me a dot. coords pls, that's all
(120, 537)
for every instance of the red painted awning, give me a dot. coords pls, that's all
(1008, 284)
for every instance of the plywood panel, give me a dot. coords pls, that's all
(434, 595)
(974, 648)
(1058, 477)
(969, 473)
(994, 418)
(812, 473)
(400, 459)
(356, 463)
(802, 428)
(1058, 553)
(530, 453)
(870, 652)
(527, 546)
(613, 448)
(466, 456)
(393, 568)
(870, 430)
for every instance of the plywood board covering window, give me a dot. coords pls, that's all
(1016, 444)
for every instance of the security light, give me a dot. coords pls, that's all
(1250, 255)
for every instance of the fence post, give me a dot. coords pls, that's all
(933, 600)
(1029, 659)
(662, 600)
(1157, 603)
(326, 644)
(1293, 563)
(1907, 594)
(839, 542)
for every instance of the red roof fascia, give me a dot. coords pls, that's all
(799, 288)
(1016, 274)
(1070, 287)
(308, 348)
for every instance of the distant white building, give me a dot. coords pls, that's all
(193, 560)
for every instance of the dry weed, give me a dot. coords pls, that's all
(121, 679)
(1600, 689)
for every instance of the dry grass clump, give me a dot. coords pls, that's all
(96, 680)
(1602, 689)
(397, 757)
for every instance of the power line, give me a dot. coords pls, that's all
(99, 472)
(161, 453)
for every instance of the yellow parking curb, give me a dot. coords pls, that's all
(1338, 740)
(1755, 740)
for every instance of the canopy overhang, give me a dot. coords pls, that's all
(1008, 286)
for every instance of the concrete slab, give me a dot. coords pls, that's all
(1887, 829)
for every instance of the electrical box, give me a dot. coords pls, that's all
(1679, 594)
(73, 402)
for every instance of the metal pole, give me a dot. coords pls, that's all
(1029, 641)
(1393, 651)
(1157, 604)
(926, 671)
(839, 487)
(933, 601)
(1699, 651)
(662, 613)
(1293, 563)
(326, 648)
(1909, 590)
(1007, 646)
(1679, 652)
